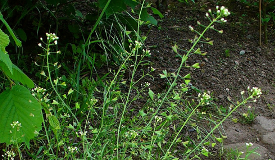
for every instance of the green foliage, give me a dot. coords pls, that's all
(20, 113)
(18, 105)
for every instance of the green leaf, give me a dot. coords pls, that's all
(187, 81)
(17, 104)
(188, 76)
(196, 65)
(114, 6)
(18, 42)
(151, 94)
(17, 75)
(144, 16)
(175, 48)
(141, 112)
(21, 34)
(157, 12)
(70, 91)
(4, 41)
(79, 14)
(77, 106)
(177, 97)
(213, 144)
(5, 59)
(198, 51)
(219, 140)
(54, 122)
(164, 75)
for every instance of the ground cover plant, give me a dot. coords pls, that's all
(89, 114)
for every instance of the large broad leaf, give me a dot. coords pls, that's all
(20, 116)
(17, 75)
(115, 6)
(4, 40)
(147, 18)
(4, 57)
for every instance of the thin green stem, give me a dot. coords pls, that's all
(97, 22)
(190, 115)
(197, 146)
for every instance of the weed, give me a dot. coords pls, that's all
(241, 155)
(227, 53)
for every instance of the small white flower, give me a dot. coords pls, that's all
(55, 42)
(191, 28)
(242, 92)
(39, 44)
(209, 10)
(158, 119)
(206, 14)
(249, 144)
(82, 133)
(217, 7)
(72, 149)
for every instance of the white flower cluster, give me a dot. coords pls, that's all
(147, 52)
(146, 84)
(72, 149)
(81, 133)
(249, 144)
(52, 37)
(39, 90)
(256, 92)
(221, 12)
(158, 119)
(9, 155)
(204, 98)
(138, 44)
(131, 134)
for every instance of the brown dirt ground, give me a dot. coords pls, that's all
(223, 75)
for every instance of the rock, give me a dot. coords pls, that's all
(221, 96)
(259, 49)
(249, 36)
(267, 124)
(241, 147)
(242, 52)
(237, 133)
(269, 138)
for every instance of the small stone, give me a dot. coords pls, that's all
(249, 36)
(221, 96)
(242, 52)
(258, 139)
(237, 63)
